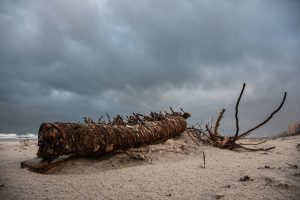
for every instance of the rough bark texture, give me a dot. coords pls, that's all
(56, 139)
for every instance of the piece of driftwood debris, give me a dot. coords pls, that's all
(244, 178)
(41, 165)
(211, 134)
(203, 154)
(56, 139)
(292, 166)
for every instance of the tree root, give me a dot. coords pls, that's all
(211, 135)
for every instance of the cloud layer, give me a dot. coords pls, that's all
(62, 60)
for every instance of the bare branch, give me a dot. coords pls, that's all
(172, 110)
(259, 125)
(199, 124)
(108, 118)
(99, 121)
(211, 123)
(193, 138)
(253, 144)
(237, 110)
(218, 121)
(250, 149)
(209, 130)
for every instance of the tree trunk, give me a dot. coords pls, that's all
(56, 139)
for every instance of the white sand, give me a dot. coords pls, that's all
(169, 176)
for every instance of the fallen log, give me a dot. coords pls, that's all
(56, 139)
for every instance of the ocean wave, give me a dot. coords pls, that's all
(18, 136)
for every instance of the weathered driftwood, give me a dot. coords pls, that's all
(211, 135)
(41, 165)
(56, 139)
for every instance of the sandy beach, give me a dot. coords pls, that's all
(172, 170)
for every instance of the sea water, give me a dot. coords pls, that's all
(17, 136)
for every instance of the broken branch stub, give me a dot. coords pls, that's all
(56, 139)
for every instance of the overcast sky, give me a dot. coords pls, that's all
(61, 60)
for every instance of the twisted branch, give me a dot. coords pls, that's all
(236, 112)
(259, 125)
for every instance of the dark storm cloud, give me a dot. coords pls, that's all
(62, 60)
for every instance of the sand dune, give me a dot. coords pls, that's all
(172, 170)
